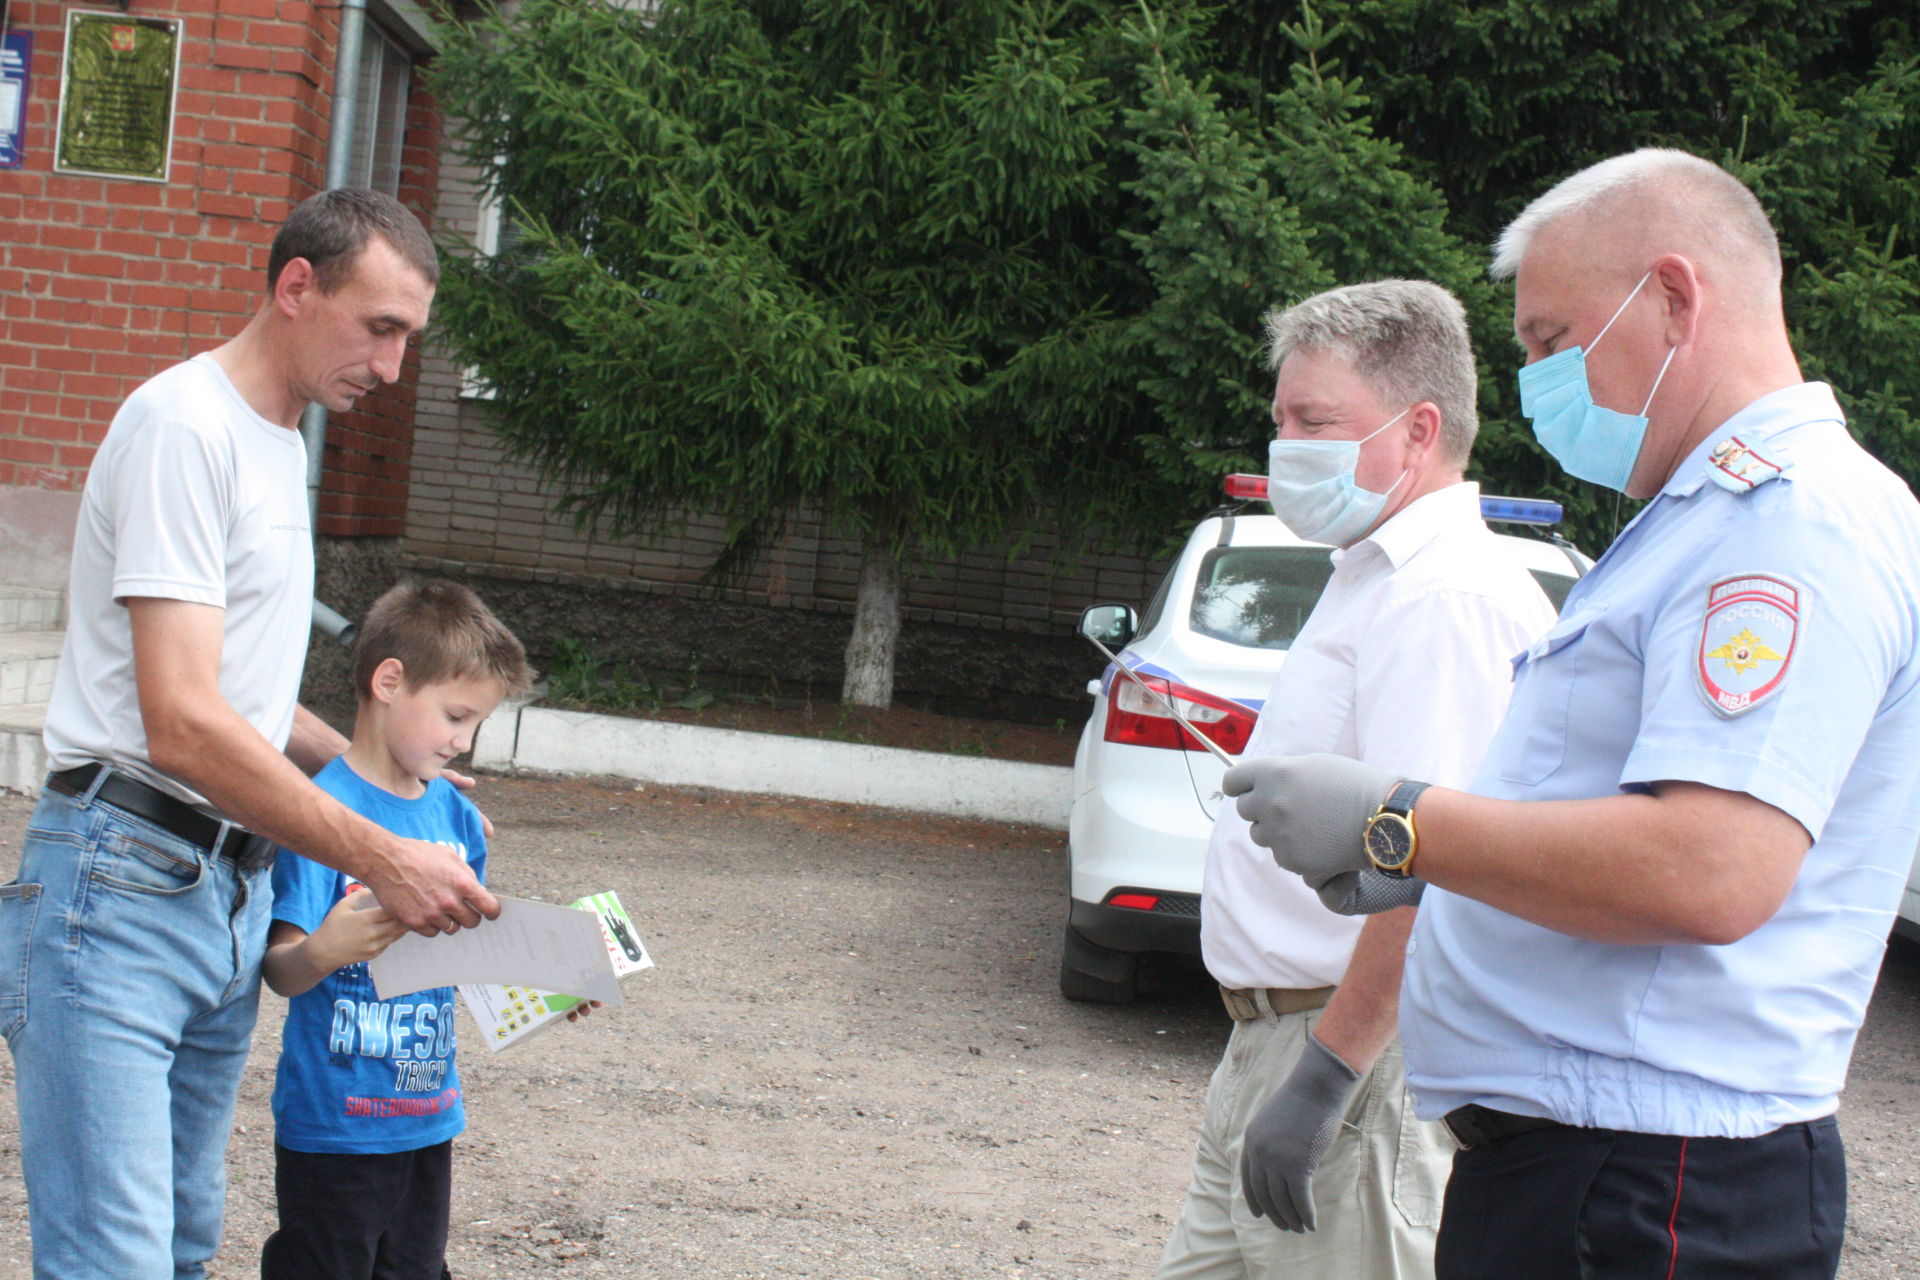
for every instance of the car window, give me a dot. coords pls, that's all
(1151, 617)
(1258, 597)
(1556, 585)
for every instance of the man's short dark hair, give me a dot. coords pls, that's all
(330, 229)
(439, 631)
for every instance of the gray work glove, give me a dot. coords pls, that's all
(1310, 810)
(1365, 893)
(1287, 1137)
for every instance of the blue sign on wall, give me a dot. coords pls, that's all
(16, 56)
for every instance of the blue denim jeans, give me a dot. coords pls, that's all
(129, 983)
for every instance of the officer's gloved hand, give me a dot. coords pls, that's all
(1287, 1137)
(1365, 893)
(1310, 810)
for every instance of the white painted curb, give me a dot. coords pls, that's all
(775, 764)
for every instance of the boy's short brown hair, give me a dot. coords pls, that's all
(439, 631)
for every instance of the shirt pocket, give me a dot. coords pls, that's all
(1543, 691)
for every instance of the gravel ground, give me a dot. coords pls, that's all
(852, 1061)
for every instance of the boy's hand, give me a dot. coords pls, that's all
(580, 1011)
(355, 930)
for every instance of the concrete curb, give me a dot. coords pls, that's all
(542, 738)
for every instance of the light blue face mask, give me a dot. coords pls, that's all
(1311, 486)
(1587, 440)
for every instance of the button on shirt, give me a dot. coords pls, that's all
(1405, 663)
(1754, 629)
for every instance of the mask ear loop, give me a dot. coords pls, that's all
(1671, 351)
(1616, 315)
(1404, 471)
(1658, 378)
(1383, 426)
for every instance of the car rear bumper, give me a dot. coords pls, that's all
(1173, 928)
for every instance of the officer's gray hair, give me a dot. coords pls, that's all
(1715, 208)
(1407, 338)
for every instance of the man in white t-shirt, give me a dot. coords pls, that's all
(1405, 659)
(130, 943)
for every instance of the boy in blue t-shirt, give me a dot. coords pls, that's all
(367, 1100)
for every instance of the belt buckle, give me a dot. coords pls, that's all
(1241, 1005)
(246, 850)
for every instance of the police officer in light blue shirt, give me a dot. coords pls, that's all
(1655, 919)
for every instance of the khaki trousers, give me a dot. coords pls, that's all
(1376, 1194)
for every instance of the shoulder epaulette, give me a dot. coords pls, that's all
(1735, 466)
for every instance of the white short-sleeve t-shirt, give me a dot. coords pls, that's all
(192, 496)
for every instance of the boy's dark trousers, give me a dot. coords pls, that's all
(360, 1217)
(1562, 1203)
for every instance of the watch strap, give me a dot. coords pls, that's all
(1402, 798)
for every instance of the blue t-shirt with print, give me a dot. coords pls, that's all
(359, 1074)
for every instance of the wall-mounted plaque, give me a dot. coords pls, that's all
(117, 82)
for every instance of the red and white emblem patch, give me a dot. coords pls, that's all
(1747, 640)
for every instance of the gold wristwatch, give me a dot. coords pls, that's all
(1389, 838)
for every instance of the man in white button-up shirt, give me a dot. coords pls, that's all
(1404, 663)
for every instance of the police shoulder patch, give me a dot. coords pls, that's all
(1747, 640)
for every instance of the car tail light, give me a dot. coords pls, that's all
(1135, 901)
(1137, 718)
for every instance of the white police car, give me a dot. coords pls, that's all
(1212, 639)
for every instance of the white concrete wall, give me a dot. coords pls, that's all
(36, 536)
(775, 764)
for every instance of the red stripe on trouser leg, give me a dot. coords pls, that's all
(1673, 1233)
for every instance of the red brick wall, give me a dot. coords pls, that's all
(104, 282)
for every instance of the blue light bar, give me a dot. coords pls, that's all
(1520, 510)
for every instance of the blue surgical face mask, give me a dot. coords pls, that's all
(1311, 486)
(1586, 440)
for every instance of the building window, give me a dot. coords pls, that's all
(380, 115)
(494, 232)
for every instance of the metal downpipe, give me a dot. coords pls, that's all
(340, 126)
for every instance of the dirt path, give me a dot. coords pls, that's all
(851, 1062)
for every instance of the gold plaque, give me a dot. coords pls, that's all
(117, 84)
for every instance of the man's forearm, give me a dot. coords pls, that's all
(314, 743)
(1363, 1015)
(1688, 864)
(225, 759)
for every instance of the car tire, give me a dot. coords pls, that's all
(1097, 974)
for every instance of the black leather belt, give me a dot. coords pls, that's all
(130, 795)
(1475, 1126)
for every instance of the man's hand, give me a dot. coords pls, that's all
(430, 889)
(461, 782)
(1366, 893)
(1309, 810)
(1287, 1137)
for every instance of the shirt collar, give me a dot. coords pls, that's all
(1755, 424)
(1421, 521)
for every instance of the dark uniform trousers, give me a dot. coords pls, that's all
(1563, 1203)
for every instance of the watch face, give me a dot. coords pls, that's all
(1389, 841)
